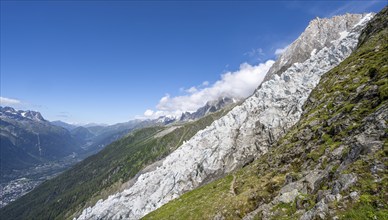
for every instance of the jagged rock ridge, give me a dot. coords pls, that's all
(210, 106)
(316, 36)
(11, 113)
(244, 133)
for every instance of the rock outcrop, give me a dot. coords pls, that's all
(317, 35)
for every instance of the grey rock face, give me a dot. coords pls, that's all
(354, 195)
(318, 34)
(318, 212)
(289, 196)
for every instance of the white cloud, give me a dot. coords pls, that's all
(205, 83)
(8, 101)
(280, 51)
(238, 84)
(148, 113)
(192, 90)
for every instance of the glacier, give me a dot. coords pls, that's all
(247, 131)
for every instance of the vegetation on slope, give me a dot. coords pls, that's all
(21, 146)
(333, 162)
(101, 174)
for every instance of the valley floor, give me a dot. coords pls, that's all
(20, 182)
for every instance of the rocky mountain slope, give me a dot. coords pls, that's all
(104, 173)
(331, 165)
(31, 151)
(317, 35)
(236, 139)
(28, 139)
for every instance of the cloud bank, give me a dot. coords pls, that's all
(239, 84)
(10, 102)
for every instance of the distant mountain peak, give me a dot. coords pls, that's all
(20, 114)
(320, 33)
(209, 107)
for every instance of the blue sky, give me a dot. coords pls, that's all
(110, 61)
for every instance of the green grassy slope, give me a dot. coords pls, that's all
(340, 108)
(101, 174)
